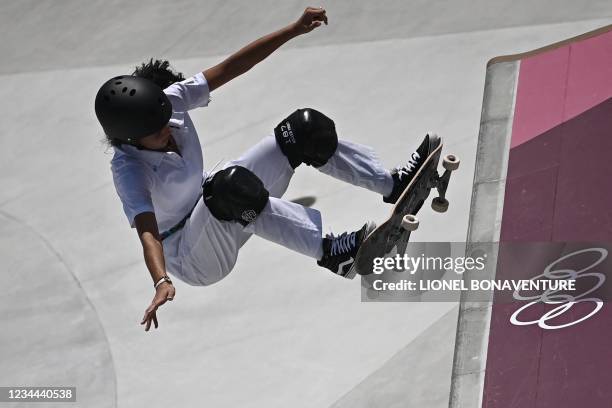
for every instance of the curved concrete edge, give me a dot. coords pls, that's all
(51, 334)
(486, 208)
(516, 57)
(416, 376)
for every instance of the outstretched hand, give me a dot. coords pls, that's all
(311, 19)
(165, 292)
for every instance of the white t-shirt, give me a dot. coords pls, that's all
(165, 182)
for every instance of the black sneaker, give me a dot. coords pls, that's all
(339, 252)
(403, 175)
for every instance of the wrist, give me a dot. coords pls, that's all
(293, 29)
(162, 280)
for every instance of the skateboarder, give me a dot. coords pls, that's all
(192, 224)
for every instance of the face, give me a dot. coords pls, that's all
(157, 140)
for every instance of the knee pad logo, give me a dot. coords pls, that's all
(249, 215)
(287, 133)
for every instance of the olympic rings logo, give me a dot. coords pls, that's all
(566, 302)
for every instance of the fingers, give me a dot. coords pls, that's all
(151, 315)
(147, 315)
(161, 297)
(322, 16)
(313, 25)
(148, 318)
(317, 14)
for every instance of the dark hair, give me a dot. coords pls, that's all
(160, 73)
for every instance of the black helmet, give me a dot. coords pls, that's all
(130, 108)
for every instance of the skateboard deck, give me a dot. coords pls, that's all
(395, 231)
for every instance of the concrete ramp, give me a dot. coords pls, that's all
(54, 336)
(417, 376)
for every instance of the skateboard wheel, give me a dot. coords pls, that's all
(439, 204)
(410, 222)
(451, 162)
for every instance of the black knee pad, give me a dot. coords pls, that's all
(307, 136)
(235, 194)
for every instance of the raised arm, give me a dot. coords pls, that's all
(247, 57)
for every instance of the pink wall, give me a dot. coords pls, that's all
(559, 189)
(559, 85)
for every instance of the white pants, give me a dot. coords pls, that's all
(206, 249)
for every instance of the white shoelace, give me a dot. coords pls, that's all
(410, 166)
(343, 243)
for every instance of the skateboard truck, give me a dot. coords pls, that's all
(440, 203)
(394, 233)
(450, 164)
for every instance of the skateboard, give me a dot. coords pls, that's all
(395, 231)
